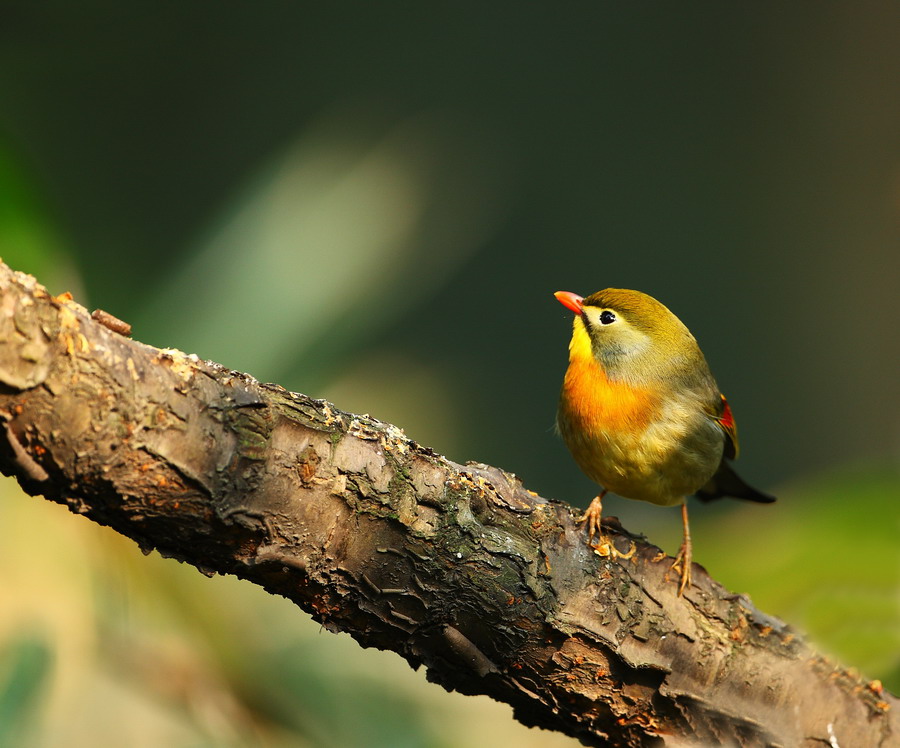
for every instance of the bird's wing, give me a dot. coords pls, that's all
(722, 415)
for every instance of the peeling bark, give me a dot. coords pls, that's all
(455, 567)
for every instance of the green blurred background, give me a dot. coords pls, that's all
(373, 203)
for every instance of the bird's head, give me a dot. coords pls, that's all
(629, 333)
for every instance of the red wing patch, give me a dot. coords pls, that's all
(726, 421)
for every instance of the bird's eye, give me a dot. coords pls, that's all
(607, 317)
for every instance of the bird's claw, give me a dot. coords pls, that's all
(604, 546)
(592, 517)
(683, 563)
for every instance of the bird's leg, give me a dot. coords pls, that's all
(593, 517)
(684, 558)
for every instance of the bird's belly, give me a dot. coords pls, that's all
(662, 463)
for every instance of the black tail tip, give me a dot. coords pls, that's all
(727, 483)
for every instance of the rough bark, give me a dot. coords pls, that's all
(457, 567)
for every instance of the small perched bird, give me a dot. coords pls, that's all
(641, 413)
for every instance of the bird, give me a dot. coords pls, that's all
(642, 414)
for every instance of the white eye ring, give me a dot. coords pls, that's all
(607, 317)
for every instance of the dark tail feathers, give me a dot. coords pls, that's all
(727, 483)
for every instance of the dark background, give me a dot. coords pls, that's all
(374, 203)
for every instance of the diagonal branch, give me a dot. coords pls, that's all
(457, 567)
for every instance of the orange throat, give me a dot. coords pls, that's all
(593, 404)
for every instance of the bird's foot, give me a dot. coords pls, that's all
(604, 545)
(592, 518)
(682, 563)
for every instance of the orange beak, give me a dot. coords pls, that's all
(570, 300)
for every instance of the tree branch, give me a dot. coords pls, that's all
(457, 567)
